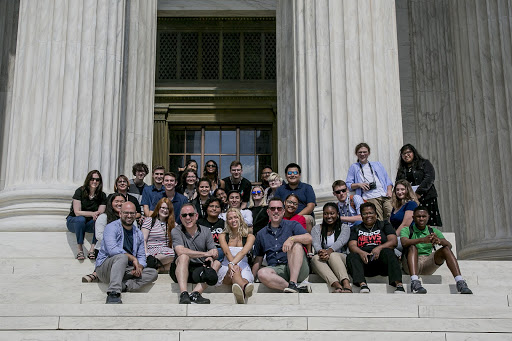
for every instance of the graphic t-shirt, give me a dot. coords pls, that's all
(216, 228)
(369, 238)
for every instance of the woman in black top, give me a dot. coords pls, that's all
(89, 202)
(212, 221)
(211, 171)
(420, 172)
(203, 194)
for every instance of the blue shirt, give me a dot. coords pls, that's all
(177, 202)
(304, 191)
(271, 244)
(354, 176)
(113, 240)
(345, 209)
(397, 217)
(151, 196)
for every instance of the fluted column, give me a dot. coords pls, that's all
(339, 85)
(65, 108)
(482, 33)
(136, 143)
(161, 139)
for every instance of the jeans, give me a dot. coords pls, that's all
(80, 225)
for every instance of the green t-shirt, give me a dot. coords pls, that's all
(424, 249)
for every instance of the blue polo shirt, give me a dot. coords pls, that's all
(177, 202)
(304, 191)
(271, 244)
(151, 196)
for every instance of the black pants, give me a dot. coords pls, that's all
(386, 265)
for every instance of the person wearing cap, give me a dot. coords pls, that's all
(195, 256)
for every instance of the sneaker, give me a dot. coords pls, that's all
(249, 288)
(185, 298)
(400, 289)
(462, 287)
(417, 288)
(196, 298)
(364, 289)
(292, 288)
(238, 292)
(305, 289)
(113, 298)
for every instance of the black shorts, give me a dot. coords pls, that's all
(191, 267)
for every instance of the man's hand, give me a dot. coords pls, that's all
(288, 244)
(137, 271)
(210, 253)
(435, 239)
(364, 186)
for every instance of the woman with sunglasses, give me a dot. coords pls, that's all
(330, 240)
(258, 207)
(157, 233)
(203, 194)
(89, 202)
(274, 182)
(112, 212)
(121, 186)
(211, 171)
(236, 241)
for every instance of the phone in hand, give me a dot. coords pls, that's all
(370, 257)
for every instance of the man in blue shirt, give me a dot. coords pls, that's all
(177, 199)
(305, 193)
(151, 194)
(348, 207)
(281, 242)
(121, 261)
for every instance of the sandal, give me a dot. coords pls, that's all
(338, 290)
(91, 255)
(345, 290)
(80, 255)
(90, 278)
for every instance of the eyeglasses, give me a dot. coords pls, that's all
(211, 165)
(293, 172)
(129, 213)
(256, 192)
(266, 173)
(292, 203)
(122, 182)
(278, 209)
(340, 191)
(96, 179)
(164, 208)
(184, 215)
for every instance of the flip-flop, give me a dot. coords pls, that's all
(89, 278)
(338, 290)
(80, 255)
(345, 290)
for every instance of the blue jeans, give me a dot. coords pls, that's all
(221, 254)
(80, 225)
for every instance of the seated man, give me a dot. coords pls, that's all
(281, 241)
(122, 258)
(419, 241)
(371, 247)
(194, 248)
(348, 206)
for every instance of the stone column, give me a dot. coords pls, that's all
(482, 35)
(136, 143)
(339, 85)
(161, 139)
(65, 108)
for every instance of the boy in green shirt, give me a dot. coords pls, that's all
(422, 258)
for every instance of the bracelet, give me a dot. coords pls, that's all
(232, 263)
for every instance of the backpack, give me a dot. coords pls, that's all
(430, 231)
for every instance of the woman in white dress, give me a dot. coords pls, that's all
(236, 242)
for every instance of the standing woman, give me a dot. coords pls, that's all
(89, 202)
(371, 181)
(157, 233)
(421, 174)
(236, 242)
(274, 182)
(121, 186)
(330, 240)
(203, 194)
(189, 184)
(211, 171)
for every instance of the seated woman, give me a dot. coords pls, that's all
(203, 194)
(221, 194)
(371, 247)
(274, 182)
(330, 240)
(121, 186)
(115, 201)
(290, 207)
(213, 222)
(258, 207)
(404, 202)
(235, 201)
(189, 184)
(157, 233)
(236, 242)
(211, 171)
(89, 202)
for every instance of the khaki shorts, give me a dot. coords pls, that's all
(284, 272)
(426, 265)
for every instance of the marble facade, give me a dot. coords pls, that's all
(77, 93)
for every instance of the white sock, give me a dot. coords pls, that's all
(458, 278)
(414, 278)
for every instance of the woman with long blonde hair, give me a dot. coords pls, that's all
(236, 241)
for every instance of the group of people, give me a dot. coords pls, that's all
(213, 231)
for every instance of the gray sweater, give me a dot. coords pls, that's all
(340, 245)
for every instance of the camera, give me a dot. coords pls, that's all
(373, 185)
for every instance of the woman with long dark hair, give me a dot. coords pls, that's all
(330, 240)
(89, 202)
(121, 186)
(203, 194)
(211, 171)
(421, 175)
(189, 184)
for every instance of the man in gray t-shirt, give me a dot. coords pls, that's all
(194, 248)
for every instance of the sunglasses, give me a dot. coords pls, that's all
(96, 179)
(184, 215)
(278, 209)
(256, 192)
(210, 166)
(293, 173)
(340, 191)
